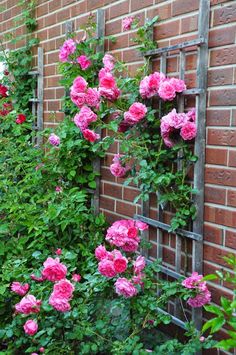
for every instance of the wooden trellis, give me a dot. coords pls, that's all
(200, 45)
(37, 100)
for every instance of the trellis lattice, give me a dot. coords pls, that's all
(200, 47)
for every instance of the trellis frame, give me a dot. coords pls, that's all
(200, 92)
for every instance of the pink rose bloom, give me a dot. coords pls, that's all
(106, 268)
(76, 277)
(34, 354)
(120, 264)
(63, 289)
(137, 279)
(168, 142)
(42, 349)
(178, 84)
(101, 252)
(141, 225)
(188, 131)
(110, 94)
(202, 339)
(68, 48)
(127, 23)
(59, 303)
(117, 170)
(84, 62)
(107, 86)
(36, 278)
(165, 125)
(132, 232)
(28, 305)
(139, 264)
(90, 135)
(119, 234)
(136, 112)
(58, 189)
(102, 73)
(92, 98)
(79, 84)
(191, 115)
(54, 270)
(192, 281)
(166, 91)
(130, 245)
(200, 300)
(125, 288)
(30, 327)
(54, 139)
(78, 98)
(149, 85)
(84, 118)
(108, 61)
(107, 81)
(20, 289)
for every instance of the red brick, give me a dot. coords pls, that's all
(131, 55)
(225, 14)
(55, 31)
(167, 30)
(218, 117)
(94, 4)
(183, 6)
(163, 12)
(125, 209)
(79, 8)
(232, 158)
(42, 10)
(220, 216)
(49, 94)
(191, 61)
(224, 137)
(67, 2)
(139, 4)
(60, 93)
(209, 269)
(189, 24)
(220, 176)
(120, 42)
(234, 118)
(113, 27)
(230, 239)
(42, 35)
(63, 15)
(212, 234)
(215, 2)
(53, 81)
(49, 20)
(190, 80)
(119, 9)
(216, 294)
(107, 203)
(223, 97)
(220, 36)
(219, 77)
(231, 199)
(216, 156)
(214, 254)
(54, 5)
(130, 194)
(215, 195)
(106, 174)
(113, 190)
(223, 56)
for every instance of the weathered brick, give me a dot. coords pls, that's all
(107, 203)
(220, 176)
(125, 209)
(164, 12)
(215, 195)
(183, 6)
(166, 30)
(225, 137)
(113, 27)
(220, 215)
(218, 117)
(113, 190)
(231, 199)
(223, 56)
(223, 97)
(219, 77)
(220, 37)
(189, 24)
(54, 5)
(42, 10)
(232, 158)
(225, 14)
(49, 20)
(119, 9)
(63, 15)
(230, 239)
(139, 4)
(54, 31)
(212, 234)
(216, 156)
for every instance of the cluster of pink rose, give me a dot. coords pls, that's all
(107, 84)
(68, 48)
(158, 84)
(195, 282)
(123, 234)
(117, 168)
(56, 272)
(175, 123)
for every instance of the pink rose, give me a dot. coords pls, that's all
(192, 281)
(149, 85)
(54, 139)
(108, 61)
(200, 299)
(84, 118)
(125, 288)
(178, 84)
(120, 264)
(137, 279)
(141, 225)
(84, 62)
(59, 303)
(28, 305)
(168, 142)
(30, 327)
(92, 98)
(166, 91)
(36, 278)
(90, 135)
(107, 81)
(101, 252)
(130, 245)
(132, 232)
(139, 264)
(79, 84)
(136, 112)
(117, 170)
(63, 289)
(41, 350)
(127, 23)
(76, 277)
(106, 268)
(20, 289)
(188, 131)
(59, 190)
(54, 270)
(68, 48)
(107, 86)
(78, 98)
(191, 115)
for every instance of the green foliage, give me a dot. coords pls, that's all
(224, 314)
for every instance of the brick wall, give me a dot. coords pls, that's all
(178, 23)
